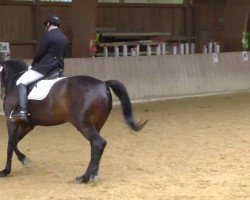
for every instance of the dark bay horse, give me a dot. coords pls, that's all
(83, 101)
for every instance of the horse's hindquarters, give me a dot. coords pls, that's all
(77, 99)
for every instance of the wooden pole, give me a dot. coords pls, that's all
(188, 20)
(36, 16)
(246, 22)
(83, 17)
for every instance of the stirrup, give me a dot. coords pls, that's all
(21, 114)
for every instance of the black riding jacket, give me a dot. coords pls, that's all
(51, 51)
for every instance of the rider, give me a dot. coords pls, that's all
(49, 56)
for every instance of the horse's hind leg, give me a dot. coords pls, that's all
(97, 144)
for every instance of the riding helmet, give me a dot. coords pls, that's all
(53, 19)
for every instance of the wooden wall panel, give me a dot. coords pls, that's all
(223, 21)
(142, 19)
(23, 23)
(220, 20)
(22, 51)
(178, 29)
(83, 18)
(16, 23)
(210, 15)
(64, 12)
(210, 21)
(234, 25)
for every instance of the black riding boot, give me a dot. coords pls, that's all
(23, 99)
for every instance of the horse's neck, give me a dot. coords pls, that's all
(10, 85)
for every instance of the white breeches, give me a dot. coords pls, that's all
(29, 77)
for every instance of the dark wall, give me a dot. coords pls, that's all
(222, 21)
(22, 24)
(17, 28)
(142, 18)
(22, 21)
(218, 20)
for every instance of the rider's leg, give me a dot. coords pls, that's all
(22, 94)
(27, 78)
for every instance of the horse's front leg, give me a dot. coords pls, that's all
(97, 144)
(13, 139)
(23, 130)
(22, 157)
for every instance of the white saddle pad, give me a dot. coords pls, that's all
(42, 88)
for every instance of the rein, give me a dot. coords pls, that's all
(15, 75)
(2, 88)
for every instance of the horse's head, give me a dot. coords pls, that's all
(10, 69)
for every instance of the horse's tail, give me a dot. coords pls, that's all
(121, 92)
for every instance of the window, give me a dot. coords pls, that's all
(143, 1)
(58, 0)
(131, 1)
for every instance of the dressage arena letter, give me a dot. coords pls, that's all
(215, 57)
(245, 55)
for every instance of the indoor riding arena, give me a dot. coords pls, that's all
(194, 148)
(194, 97)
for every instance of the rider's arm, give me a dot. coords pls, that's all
(41, 49)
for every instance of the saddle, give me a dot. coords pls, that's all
(40, 88)
(57, 73)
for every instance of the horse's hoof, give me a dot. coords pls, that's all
(26, 162)
(94, 179)
(82, 179)
(3, 173)
(87, 179)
